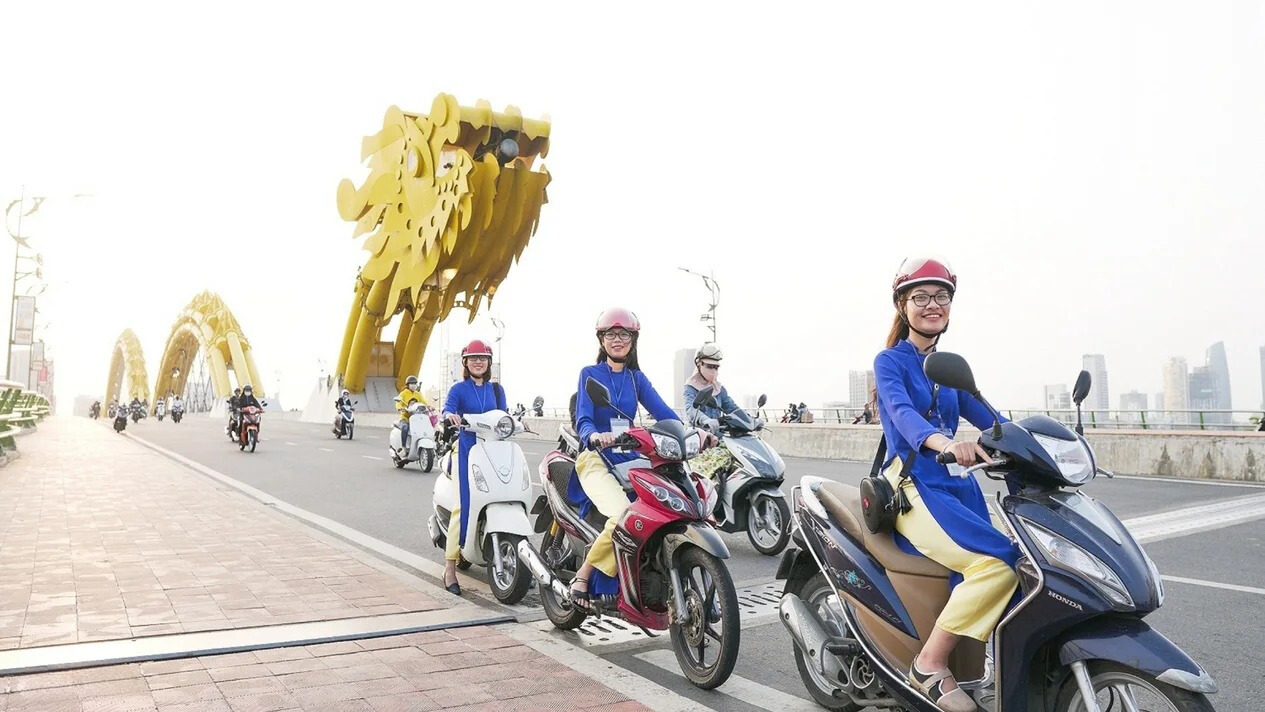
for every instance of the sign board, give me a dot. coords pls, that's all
(37, 354)
(23, 320)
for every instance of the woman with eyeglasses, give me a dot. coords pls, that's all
(618, 370)
(947, 520)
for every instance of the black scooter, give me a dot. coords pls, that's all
(858, 607)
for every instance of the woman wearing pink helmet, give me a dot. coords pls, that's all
(618, 370)
(947, 519)
(472, 395)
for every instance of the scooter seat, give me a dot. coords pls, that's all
(843, 503)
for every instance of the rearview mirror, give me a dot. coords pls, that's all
(704, 397)
(763, 399)
(950, 370)
(1081, 389)
(597, 393)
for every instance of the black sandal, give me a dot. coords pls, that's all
(580, 599)
(454, 588)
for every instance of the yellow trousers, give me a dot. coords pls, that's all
(976, 603)
(609, 498)
(452, 551)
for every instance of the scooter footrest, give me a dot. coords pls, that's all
(842, 646)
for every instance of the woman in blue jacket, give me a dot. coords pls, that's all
(948, 520)
(473, 395)
(617, 369)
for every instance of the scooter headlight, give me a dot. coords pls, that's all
(479, 481)
(505, 427)
(1071, 558)
(668, 448)
(1072, 457)
(669, 498)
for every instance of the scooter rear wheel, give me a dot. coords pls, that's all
(562, 614)
(823, 603)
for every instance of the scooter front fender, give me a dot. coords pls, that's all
(507, 518)
(698, 534)
(1131, 642)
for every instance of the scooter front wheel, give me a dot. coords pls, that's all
(509, 585)
(706, 646)
(427, 460)
(253, 438)
(351, 429)
(1116, 686)
(769, 524)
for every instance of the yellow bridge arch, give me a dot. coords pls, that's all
(207, 326)
(127, 362)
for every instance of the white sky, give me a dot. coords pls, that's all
(1093, 170)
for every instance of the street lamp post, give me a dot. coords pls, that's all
(714, 288)
(17, 257)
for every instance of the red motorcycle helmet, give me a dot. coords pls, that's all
(618, 317)
(476, 348)
(923, 270)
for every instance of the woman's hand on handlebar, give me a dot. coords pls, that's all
(709, 439)
(964, 453)
(454, 419)
(603, 440)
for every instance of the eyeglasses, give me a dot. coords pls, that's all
(479, 359)
(712, 366)
(617, 336)
(922, 299)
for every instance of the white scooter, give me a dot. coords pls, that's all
(500, 498)
(421, 447)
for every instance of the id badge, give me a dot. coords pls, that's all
(619, 426)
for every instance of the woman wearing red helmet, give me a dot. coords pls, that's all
(472, 395)
(617, 369)
(947, 520)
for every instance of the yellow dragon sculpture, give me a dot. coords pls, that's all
(449, 204)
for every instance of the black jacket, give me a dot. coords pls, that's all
(246, 400)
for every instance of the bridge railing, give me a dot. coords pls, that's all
(20, 410)
(1230, 420)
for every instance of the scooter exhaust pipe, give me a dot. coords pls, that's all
(527, 554)
(809, 636)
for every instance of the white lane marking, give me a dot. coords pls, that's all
(374, 437)
(749, 691)
(1215, 584)
(1178, 480)
(371, 457)
(289, 443)
(1199, 518)
(324, 449)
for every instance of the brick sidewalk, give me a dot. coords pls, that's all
(103, 539)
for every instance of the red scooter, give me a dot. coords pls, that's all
(248, 435)
(669, 555)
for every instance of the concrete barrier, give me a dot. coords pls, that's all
(1236, 456)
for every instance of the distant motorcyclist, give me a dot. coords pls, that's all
(234, 405)
(407, 396)
(343, 399)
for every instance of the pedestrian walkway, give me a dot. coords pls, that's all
(102, 539)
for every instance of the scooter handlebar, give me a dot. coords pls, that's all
(946, 458)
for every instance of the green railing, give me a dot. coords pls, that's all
(20, 410)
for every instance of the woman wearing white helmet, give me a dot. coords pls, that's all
(707, 373)
(947, 519)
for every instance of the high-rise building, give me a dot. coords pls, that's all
(1176, 390)
(1202, 394)
(682, 369)
(1057, 397)
(1159, 401)
(860, 383)
(1131, 406)
(1220, 370)
(1099, 398)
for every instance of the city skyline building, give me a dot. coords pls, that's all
(1057, 397)
(860, 383)
(1215, 359)
(682, 369)
(1176, 388)
(1099, 398)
